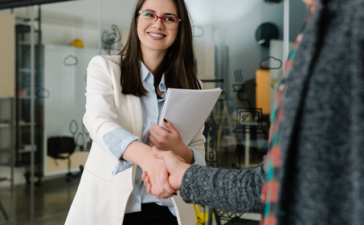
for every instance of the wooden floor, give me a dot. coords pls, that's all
(52, 201)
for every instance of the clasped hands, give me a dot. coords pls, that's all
(164, 175)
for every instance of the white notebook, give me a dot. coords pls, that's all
(187, 110)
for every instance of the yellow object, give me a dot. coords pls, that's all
(77, 43)
(262, 81)
(201, 217)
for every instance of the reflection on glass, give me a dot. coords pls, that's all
(227, 55)
(59, 95)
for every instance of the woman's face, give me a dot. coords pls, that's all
(155, 37)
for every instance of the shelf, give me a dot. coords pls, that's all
(26, 43)
(5, 150)
(26, 97)
(25, 70)
(3, 179)
(24, 124)
(20, 151)
(26, 18)
(23, 43)
(4, 125)
(5, 164)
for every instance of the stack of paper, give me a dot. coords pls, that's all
(188, 109)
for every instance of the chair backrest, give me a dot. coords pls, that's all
(59, 145)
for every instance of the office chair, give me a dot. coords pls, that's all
(58, 146)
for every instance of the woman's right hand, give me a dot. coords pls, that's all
(158, 177)
(142, 155)
(176, 167)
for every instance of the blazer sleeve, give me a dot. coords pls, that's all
(198, 143)
(101, 116)
(233, 190)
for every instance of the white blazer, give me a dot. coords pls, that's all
(101, 197)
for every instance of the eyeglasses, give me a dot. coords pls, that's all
(149, 18)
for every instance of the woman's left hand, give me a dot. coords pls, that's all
(164, 140)
(170, 141)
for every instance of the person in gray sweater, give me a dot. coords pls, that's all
(322, 129)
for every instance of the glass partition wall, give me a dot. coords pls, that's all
(238, 47)
(49, 47)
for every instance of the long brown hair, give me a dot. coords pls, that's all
(178, 65)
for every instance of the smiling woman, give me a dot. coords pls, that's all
(125, 97)
(154, 36)
(168, 50)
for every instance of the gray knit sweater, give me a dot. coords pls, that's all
(322, 130)
(234, 190)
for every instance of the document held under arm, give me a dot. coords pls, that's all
(188, 109)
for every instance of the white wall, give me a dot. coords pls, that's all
(233, 23)
(65, 21)
(64, 35)
(229, 22)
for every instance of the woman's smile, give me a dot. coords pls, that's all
(156, 36)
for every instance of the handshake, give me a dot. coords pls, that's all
(167, 181)
(163, 170)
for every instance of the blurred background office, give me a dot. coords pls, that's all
(45, 47)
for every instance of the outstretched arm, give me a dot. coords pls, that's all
(234, 190)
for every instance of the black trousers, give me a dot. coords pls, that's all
(151, 214)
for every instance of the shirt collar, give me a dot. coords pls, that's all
(162, 86)
(145, 72)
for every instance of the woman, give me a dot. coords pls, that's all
(124, 98)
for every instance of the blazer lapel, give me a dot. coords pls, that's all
(136, 115)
